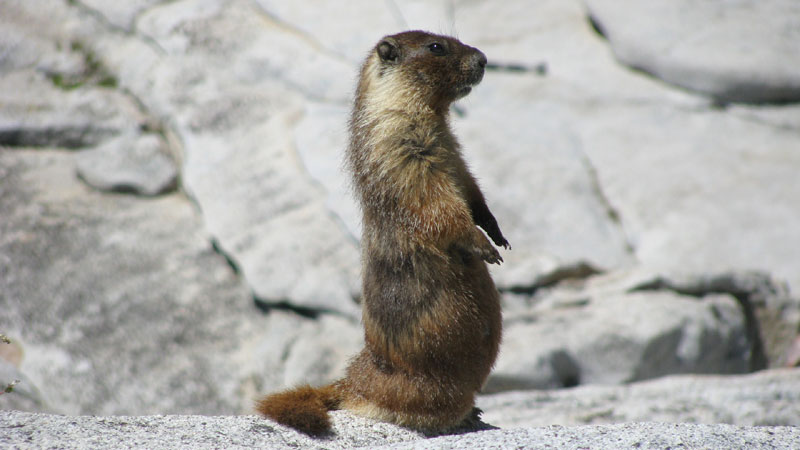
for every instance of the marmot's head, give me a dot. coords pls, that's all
(423, 67)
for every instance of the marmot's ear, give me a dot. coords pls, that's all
(388, 50)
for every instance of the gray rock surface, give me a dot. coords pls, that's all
(767, 398)
(241, 164)
(107, 324)
(628, 201)
(630, 326)
(633, 435)
(112, 313)
(138, 164)
(36, 113)
(606, 337)
(165, 432)
(741, 51)
(23, 395)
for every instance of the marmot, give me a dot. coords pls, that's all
(431, 312)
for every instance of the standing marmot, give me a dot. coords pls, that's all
(431, 312)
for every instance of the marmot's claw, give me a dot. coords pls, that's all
(492, 256)
(473, 419)
(500, 241)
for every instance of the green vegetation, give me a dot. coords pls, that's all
(10, 386)
(94, 73)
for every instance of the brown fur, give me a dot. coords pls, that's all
(304, 408)
(431, 313)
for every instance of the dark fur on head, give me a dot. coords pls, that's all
(440, 67)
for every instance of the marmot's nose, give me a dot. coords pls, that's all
(481, 59)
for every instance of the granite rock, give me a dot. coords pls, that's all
(138, 164)
(731, 51)
(766, 398)
(162, 432)
(114, 301)
(596, 174)
(619, 338)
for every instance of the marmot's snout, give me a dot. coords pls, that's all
(479, 58)
(472, 68)
(476, 64)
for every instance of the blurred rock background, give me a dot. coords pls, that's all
(177, 235)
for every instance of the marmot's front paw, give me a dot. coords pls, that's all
(485, 250)
(492, 256)
(502, 242)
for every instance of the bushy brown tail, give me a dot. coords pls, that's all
(304, 408)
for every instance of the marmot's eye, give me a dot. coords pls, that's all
(437, 48)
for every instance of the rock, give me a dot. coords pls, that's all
(24, 395)
(346, 36)
(573, 223)
(121, 15)
(770, 313)
(605, 335)
(595, 172)
(35, 113)
(324, 127)
(578, 217)
(631, 435)
(793, 354)
(687, 187)
(676, 180)
(322, 350)
(114, 311)
(28, 40)
(767, 398)
(138, 164)
(241, 166)
(53, 90)
(733, 52)
(157, 432)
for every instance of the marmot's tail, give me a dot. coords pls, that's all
(304, 408)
